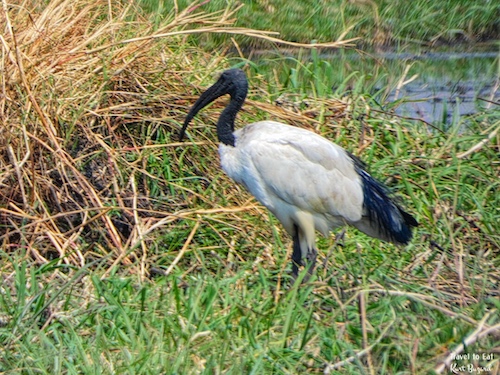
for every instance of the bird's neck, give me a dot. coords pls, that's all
(225, 125)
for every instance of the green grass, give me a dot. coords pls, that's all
(377, 22)
(126, 252)
(234, 319)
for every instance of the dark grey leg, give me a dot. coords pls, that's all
(311, 260)
(296, 254)
(297, 258)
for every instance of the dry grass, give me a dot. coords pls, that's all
(61, 107)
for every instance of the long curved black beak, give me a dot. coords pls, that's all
(218, 89)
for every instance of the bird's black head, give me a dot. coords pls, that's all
(233, 82)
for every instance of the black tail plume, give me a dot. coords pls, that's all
(382, 217)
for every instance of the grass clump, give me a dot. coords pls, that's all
(125, 251)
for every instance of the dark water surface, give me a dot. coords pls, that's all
(438, 85)
(465, 83)
(445, 84)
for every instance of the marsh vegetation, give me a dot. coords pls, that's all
(124, 251)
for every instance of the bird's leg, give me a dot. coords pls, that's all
(297, 261)
(311, 263)
(296, 255)
(312, 254)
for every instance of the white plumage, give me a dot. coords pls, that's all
(290, 171)
(309, 183)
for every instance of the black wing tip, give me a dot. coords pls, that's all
(408, 225)
(392, 222)
(409, 220)
(400, 233)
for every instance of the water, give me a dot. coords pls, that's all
(438, 85)
(449, 85)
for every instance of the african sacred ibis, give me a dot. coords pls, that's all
(309, 183)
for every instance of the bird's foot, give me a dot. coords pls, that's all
(310, 264)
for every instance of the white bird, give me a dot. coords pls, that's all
(309, 183)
